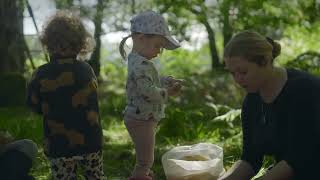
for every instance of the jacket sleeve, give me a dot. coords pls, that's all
(92, 86)
(144, 75)
(249, 152)
(33, 99)
(302, 153)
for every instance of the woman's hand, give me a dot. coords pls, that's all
(240, 170)
(281, 171)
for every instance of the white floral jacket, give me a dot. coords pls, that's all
(146, 95)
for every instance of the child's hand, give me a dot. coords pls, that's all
(180, 81)
(174, 89)
(169, 81)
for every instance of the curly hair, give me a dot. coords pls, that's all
(65, 35)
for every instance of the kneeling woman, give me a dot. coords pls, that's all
(280, 113)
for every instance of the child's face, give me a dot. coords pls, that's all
(151, 46)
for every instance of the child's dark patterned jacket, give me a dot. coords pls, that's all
(64, 91)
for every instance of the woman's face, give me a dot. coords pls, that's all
(248, 75)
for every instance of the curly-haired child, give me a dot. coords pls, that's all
(64, 91)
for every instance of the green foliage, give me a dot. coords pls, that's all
(183, 63)
(21, 123)
(264, 15)
(112, 88)
(298, 40)
(300, 46)
(63, 4)
(12, 92)
(308, 61)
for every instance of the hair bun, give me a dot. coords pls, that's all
(276, 47)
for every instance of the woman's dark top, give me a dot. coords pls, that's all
(64, 91)
(288, 128)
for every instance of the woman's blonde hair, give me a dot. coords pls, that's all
(252, 46)
(65, 35)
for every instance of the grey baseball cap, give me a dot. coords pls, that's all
(150, 22)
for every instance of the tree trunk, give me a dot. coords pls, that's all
(133, 6)
(227, 31)
(11, 36)
(95, 57)
(212, 44)
(227, 28)
(203, 19)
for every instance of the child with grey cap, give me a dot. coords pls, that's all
(146, 92)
